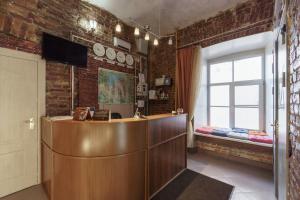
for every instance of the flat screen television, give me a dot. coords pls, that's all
(64, 51)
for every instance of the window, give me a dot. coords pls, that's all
(236, 91)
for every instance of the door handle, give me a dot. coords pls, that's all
(30, 122)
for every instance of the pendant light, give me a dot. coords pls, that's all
(155, 42)
(136, 31)
(147, 36)
(170, 41)
(118, 27)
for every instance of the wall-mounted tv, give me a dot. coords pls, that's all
(64, 51)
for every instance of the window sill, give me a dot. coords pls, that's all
(235, 140)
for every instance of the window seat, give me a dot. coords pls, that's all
(234, 140)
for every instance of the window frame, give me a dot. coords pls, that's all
(232, 84)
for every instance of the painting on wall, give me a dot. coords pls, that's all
(115, 87)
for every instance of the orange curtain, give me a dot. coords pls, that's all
(184, 69)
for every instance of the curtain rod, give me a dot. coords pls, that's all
(224, 33)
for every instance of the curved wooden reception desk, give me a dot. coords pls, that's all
(95, 160)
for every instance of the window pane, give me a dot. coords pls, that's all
(247, 118)
(248, 69)
(219, 95)
(247, 95)
(219, 117)
(221, 72)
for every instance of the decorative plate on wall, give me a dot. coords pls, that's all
(99, 49)
(110, 53)
(129, 60)
(121, 57)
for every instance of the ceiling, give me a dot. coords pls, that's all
(170, 14)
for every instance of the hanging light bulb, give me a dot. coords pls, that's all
(147, 36)
(92, 25)
(136, 31)
(118, 28)
(155, 42)
(170, 41)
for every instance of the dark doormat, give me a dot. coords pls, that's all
(190, 185)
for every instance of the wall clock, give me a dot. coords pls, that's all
(110, 53)
(129, 60)
(121, 57)
(99, 49)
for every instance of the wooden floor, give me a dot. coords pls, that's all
(250, 183)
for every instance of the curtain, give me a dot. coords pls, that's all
(188, 80)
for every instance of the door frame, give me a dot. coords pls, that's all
(280, 32)
(41, 96)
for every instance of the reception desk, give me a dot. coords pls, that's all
(123, 159)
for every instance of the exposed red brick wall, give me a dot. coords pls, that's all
(162, 61)
(263, 158)
(294, 61)
(22, 23)
(251, 17)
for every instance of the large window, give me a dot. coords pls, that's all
(236, 91)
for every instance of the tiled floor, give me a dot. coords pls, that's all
(33, 193)
(250, 183)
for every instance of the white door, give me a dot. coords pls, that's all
(18, 128)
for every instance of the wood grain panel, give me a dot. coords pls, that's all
(163, 129)
(92, 139)
(46, 127)
(165, 162)
(111, 178)
(47, 169)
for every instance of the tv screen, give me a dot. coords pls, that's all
(64, 51)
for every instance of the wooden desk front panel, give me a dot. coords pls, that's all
(108, 178)
(165, 162)
(166, 150)
(96, 139)
(160, 130)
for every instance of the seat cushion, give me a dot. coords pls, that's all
(241, 136)
(204, 130)
(258, 133)
(240, 130)
(261, 139)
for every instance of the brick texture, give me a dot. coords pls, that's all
(251, 17)
(265, 158)
(294, 61)
(162, 60)
(21, 26)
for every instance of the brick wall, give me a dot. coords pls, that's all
(251, 17)
(294, 60)
(237, 151)
(22, 23)
(162, 61)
